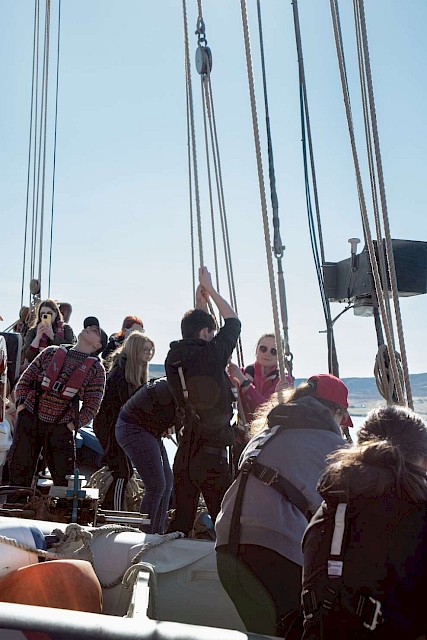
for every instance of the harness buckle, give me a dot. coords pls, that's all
(309, 603)
(268, 475)
(58, 386)
(247, 465)
(370, 612)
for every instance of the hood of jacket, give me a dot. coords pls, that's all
(306, 412)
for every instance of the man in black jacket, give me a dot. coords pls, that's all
(195, 369)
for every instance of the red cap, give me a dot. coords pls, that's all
(328, 387)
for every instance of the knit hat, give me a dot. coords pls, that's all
(91, 321)
(328, 387)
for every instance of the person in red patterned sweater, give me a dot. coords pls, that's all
(47, 398)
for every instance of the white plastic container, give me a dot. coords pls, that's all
(12, 557)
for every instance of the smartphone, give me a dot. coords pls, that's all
(46, 318)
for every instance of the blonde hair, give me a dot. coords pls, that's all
(131, 356)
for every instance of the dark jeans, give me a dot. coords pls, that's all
(148, 454)
(205, 473)
(264, 585)
(30, 437)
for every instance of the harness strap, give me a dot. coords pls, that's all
(366, 608)
(334, 596)
(182, 381)
(234, 535)
(272, 478)
(69, 389)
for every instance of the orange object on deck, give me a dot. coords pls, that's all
(61, 584)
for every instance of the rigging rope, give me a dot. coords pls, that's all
(359, 6)
(315, 240)
(203, 64)
(54, 150)
(27, 199)
(263, 199)
(362, 203)
(278, 247)
(34, 240)
(45, 84)
(193, 151)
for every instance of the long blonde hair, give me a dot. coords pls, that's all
(131, 356)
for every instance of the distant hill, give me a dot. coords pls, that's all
(363, 393)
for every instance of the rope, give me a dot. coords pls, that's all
(27, 198)
(54, 149)
(44, 128)
(35, 116)
(205, 99)
(362, 203)
(192, 130)
(221, 205)
(383, 379)
(87, 536)
(261, 186)
(102, 479)
(75, 533)
(190, 197)
(278, 247)
(211, 148)
(359, 5)
(315, 239)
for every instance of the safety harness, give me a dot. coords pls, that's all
(332, 596)
(270, 477)
(69, 389)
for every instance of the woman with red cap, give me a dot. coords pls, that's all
(130, 323)
(265, 511)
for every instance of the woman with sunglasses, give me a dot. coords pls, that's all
(128, 372)
(47, 329)
(258, 381)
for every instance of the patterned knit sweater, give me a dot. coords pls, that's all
(51, 405)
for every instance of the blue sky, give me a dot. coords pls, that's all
(121, 235)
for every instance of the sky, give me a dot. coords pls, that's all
(121, 239)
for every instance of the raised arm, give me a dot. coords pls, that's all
(223, 306)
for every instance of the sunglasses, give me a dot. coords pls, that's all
(264, 349)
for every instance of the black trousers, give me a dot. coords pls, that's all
(118, 463)
(29, 438)
(263, 585)
(206, 473)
